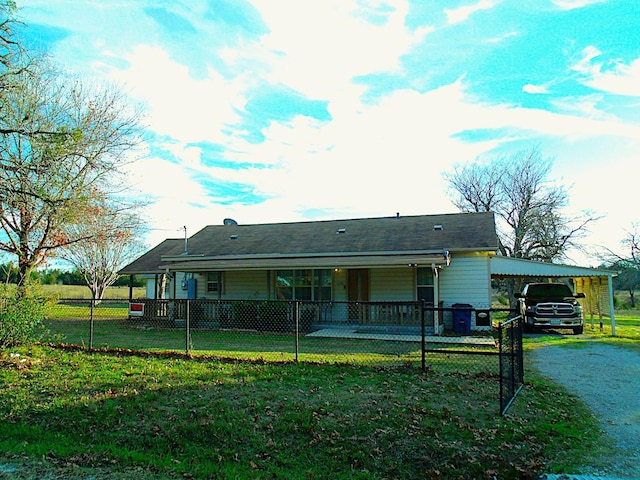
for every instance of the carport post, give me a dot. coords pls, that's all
(611, 309)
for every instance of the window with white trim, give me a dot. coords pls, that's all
(424, 284)
(309, 284)
(214, 283)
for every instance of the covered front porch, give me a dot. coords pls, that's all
(367, 318)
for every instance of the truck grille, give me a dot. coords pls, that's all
(554, 309)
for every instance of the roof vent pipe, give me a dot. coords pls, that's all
(186, 251)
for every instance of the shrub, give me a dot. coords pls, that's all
(21, 314)
(274, 316)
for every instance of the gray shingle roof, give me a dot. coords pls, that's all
(357, 237)
(463, 231)
(151, 261)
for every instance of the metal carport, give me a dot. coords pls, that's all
(590, 281)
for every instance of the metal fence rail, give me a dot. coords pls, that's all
(434, 338)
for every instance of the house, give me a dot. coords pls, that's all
(445, 260)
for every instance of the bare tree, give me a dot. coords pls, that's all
(627, 263)
(111, 239)
(10, 48)
(528, 206)
(47, 182)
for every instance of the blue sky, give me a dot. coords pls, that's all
(273, 110)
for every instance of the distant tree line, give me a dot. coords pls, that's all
(56, 276)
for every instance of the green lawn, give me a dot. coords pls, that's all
(627, 334)
(81, 291)
(123, 334)
(68, 413)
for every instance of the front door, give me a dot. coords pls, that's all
(358, 291)
(358, 285)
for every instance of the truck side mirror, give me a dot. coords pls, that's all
(580, 295)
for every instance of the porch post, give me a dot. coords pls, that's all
(436, 300)
(131, 287)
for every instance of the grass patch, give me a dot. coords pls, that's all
(627, 334)
(82, 291)
(167, 416)
(274, 347)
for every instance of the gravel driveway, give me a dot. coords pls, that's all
(607, 379)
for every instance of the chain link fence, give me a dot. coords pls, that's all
(511, 361)
(384, 333)
(456, 340)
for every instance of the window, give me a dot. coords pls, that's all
(424, 284)
(214, 283)
(303, 285)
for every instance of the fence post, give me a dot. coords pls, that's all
(422, 334)
(501, 366)
(296, 314)
(91, 322)
(186, 328)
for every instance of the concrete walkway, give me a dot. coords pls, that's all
(356, 334)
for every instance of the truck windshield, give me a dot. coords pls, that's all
(549, 290)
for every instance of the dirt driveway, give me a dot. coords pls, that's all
(606, 378)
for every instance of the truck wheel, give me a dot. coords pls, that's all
(578, 330)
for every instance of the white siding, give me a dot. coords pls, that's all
(466, 280)
(339, 285)
(242, 285)
(179, 278)
(150, 286)
(392, 284)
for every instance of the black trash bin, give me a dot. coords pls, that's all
(462, 318)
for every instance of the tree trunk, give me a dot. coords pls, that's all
(97, 291)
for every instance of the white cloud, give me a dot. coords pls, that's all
(333, 43)
(461, 14)
(535, 89)
(583, 106)
(179, 105)
(573, 4)
(501, 38)
(615, 77)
